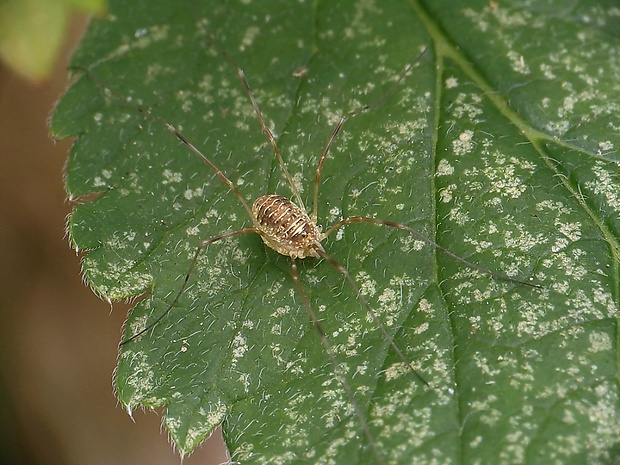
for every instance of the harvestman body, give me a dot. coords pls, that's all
(286, 227)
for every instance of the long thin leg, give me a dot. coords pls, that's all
(263, 125)
(272, 140)
(332, 358)
(192, 265)
(317, 176)
(422, 237)
(372, 313)
(174, 131)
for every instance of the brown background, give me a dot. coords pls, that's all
(58, 342)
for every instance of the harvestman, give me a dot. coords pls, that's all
(286, 227)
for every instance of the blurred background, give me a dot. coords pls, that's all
(58, 341)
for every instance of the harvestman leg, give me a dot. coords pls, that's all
(332, 358)
(422, 237)
(190, 270)
(319, 167)
(263, 125)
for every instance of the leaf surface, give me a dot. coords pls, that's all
(502, 147)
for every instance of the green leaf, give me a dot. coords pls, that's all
(502, 147)
(32, 32)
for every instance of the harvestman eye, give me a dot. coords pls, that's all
(285, 226)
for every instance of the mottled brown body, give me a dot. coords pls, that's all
(287, 228)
